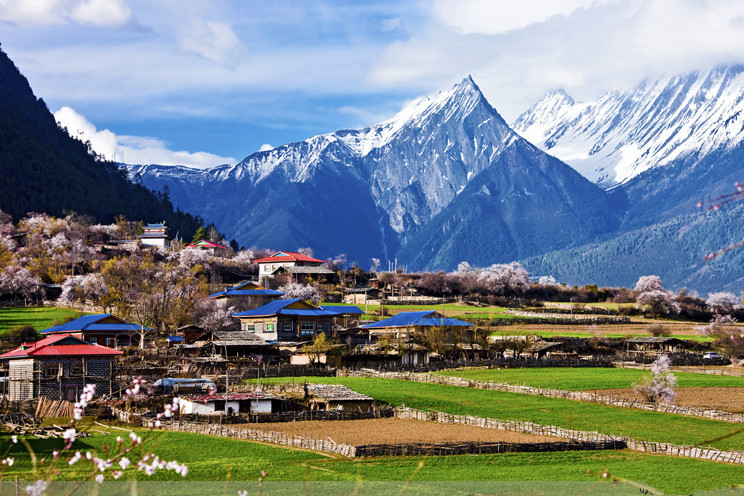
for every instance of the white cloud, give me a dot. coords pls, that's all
(101, 13)
(215, 41)
(516, 53)
(499, 16)
(132, 149)
(265, 147)
(106, 13)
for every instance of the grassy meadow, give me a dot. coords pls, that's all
(585, 416)
(580, 379)
(39, 318)
(227, 460)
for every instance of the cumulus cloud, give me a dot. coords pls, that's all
(498, 16)
(215, 41)
(518, 51)
(103, 13)
(265, 147)
(132, 149)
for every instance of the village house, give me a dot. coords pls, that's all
(58, 367)
(101, 328)
(406, 323)
(246, 295)
(211, 404)
(294, 319)
(297, 266)
(156, 235)
(654, 346)
(335, 397)
(213, 249)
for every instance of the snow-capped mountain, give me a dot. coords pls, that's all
(627, 132)
(404, 187)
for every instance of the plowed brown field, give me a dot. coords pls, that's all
(729, 399)
(394, 431)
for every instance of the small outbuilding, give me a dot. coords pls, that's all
(211, 404)
(654, 346)
(405, 323)
(336, 397)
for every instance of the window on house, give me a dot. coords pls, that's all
(76, 369)
(288, 327)
(51, 370)
(269, 328)
(249, 328)
(307, 327)
(93, 340)
(111, 342)
(327, 327)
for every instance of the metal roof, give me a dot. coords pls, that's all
(422, 318)
(60, 345)
(288, 256)
(278, 307)
(91, 323)
(246, 292)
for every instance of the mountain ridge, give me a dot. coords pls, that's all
(412, 168)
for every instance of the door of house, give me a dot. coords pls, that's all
(71, 393)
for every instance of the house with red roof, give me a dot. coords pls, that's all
(296, 267)
(58, 367)
(213, 249)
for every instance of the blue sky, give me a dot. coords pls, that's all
(202, 83)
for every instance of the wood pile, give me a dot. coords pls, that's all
(54, 408)
(17, 421)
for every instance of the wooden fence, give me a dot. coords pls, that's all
(618, 442)
(578, 440)
(724, 416)
(477, 448)
(562, 318)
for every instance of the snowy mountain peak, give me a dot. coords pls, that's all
(626, 132)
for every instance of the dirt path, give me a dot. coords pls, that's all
(393, 431)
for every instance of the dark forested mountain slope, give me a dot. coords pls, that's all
(43, 169)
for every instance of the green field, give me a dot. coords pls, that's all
(39, 318)
(215, 459)
(455, 310)
(579, 379)
(587, 334)
(585, 416)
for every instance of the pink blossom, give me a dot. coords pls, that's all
(77, 456)
(69, 436)
(8, 461)
(99, 478)
(37, 489)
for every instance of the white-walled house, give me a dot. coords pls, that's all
(156, 235)
(210, 404)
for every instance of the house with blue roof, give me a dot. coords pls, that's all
(294, 319)
(246, 295)
(406, 323)
(104, 329)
